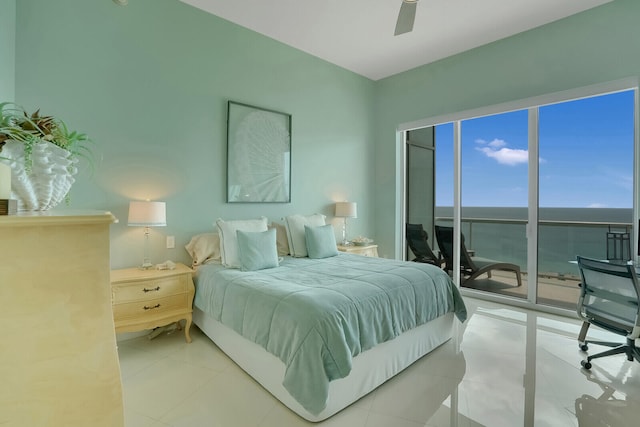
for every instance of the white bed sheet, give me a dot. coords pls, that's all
(370, 368)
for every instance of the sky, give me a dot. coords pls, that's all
(585, 156)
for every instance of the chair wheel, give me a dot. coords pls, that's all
(583, 347)
(585, 364)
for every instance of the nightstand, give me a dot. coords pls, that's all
(368, 250)
(145, 299)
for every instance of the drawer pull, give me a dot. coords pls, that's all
(145, 290)
(146, 307)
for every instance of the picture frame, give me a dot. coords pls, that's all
(258, 154)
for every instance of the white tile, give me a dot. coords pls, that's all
(492, 367)
(281, 416)
(134, 360)
(551, 411)
(495, 405)
(162, 386)
(134, 419)
(504, 367)
(230, 398)
(413, 395)
(379, 420)
(202, 352)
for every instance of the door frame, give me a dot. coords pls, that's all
(531, 104)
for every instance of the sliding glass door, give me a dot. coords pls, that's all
(585, 190)
(494, 177)
(535, 186)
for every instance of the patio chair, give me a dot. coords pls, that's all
(609, 297)
(470, 266)
(417, 239)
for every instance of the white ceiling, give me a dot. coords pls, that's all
(358, 34)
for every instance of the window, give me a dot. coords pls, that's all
(579, 189)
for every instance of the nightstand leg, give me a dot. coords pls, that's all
(187, 327)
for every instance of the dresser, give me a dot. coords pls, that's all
(145, 299)
(368, 250)
(58, 357)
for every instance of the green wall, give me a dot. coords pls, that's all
(7, 49)
(599, 45)
(149, 83)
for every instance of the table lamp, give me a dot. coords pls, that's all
(147, 214)
(346, 210)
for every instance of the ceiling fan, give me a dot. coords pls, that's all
(406, 17)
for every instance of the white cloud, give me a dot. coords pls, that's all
(597, 205)
(497, 143)
(498, 150)
(506, 156)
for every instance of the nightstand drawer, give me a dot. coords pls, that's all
(151, 307)
(146, 299)
(368, 250)
(149, 289)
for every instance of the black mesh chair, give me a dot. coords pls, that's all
(417, 239)
(609, 299)
(470, 266)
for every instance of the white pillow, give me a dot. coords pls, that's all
(204, 248)
(295, 232)
(229, 240)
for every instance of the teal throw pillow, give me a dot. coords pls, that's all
(257, 250)
(321, 242)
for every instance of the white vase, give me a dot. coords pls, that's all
(46, 183)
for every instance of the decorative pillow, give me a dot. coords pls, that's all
(229, 239)
(295, 232)
(281, 238)
(321, 241)
(204, 248)
(257, 249)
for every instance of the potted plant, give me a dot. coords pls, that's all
(42, 153)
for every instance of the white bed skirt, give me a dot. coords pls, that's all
(370, 368)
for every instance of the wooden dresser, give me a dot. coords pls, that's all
(58, 358)
(145, 299)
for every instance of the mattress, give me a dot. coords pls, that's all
(316, 316)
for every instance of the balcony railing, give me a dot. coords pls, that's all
(558, 241)
(558, 244)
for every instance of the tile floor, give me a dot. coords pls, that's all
(505, 366)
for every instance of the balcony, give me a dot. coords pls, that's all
(559, 242)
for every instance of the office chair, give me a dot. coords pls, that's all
(609, 299)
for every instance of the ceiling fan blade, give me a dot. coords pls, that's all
(406, 17)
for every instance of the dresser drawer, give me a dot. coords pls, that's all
(149, 289)
(151, 307)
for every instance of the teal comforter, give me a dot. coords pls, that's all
(317, 314)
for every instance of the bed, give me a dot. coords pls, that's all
(319, 334)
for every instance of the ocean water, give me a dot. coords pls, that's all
(503, 237)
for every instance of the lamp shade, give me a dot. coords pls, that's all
(147, 214)
(346, 210)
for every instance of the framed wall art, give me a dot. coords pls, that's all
(258, 155)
